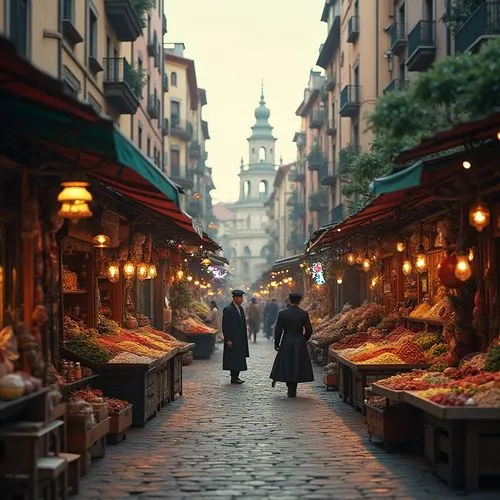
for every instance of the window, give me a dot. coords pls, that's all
(71, 83)
(246, 269)
(173, 79)
(262, 153)
(246, 189)
(262, 188)
(175, 113)
(148, 147)
(94, 103)
(141, 72)
(247, 252)
(155, 156)
(69, 10)
(139, 136)
(175, 163)
(92, 38)
(19, 25)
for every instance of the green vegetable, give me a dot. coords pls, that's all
(88, 350)
(493, 360)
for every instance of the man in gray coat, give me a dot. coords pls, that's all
(234, 329)
(293, 329)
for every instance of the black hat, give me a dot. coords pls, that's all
(295, 296)
(238, 293)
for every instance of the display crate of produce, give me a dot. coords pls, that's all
(118, 425)
(330, 382)
(203, 344)
(395, 424)
(81, 440)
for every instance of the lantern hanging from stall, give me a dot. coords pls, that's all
(400, 246)
(350, 256)
(128, 268)
(142, 271)
(463, 270)
(407, 267)
(113, 271)
(180, 274)
(421, 260)
(152, 271)
(101, 241)
(340, 279)
(479, 215)
(366, 264)
(74, 199)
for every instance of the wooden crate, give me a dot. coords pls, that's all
(119, 423)
(395, 424)
(330, 382)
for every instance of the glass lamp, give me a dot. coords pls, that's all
(74, 199)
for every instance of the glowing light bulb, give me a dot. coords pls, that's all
(113, 272)
(407, 267)
(366, 264)
(142, 271)
(479, 215)
(152, 271)
(340, 280)
(466, 164)
(128, 269)
(400, 246)
(350, 258)
(463, 270)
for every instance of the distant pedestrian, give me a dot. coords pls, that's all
(293, 329)
(253, 315)
(214, 319)
(234, 329)
(270, 315)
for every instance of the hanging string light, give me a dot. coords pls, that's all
(463, 270)
(421, 260)
(128, 268)
(340, 279)
(350, 256)
(113, 271)
(152, 271)
(479, 215)
(366, 264)
(142, 271)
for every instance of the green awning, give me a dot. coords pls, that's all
(404, 179)
(101, 138)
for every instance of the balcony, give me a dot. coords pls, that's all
(70, 33)
(194, 150)
(184, 181)
(152, 47)
(200, 167)
(482, 25)
(331, 128)
(353, 29)
(318, 202)
(165, 82)
(399, 40)
(195, 208)
(337, 214)
(315, 159)
(181, 129)
(331, 80)
(122, 85)
(124, 18)
(350, 101)
(316, 119)
(165, 127)
(296, 177)
(293, 199)
(421, 46)
(327, 176)
(397, 84)
(298, 212)
(153, 107)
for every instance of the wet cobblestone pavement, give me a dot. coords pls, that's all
(225, 441)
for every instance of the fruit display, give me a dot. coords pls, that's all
(14, 385)
(421, 310)
(193, 326)
(90, 395)
(143, 345)
(440, 311)
(200, 309)
(107, 326)
(492, 362)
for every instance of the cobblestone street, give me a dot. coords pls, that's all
(251, 441)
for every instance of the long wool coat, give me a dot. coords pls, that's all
(234, 328)
(292, 363)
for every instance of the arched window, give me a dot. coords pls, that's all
(263, 188)
(249, 222)
(247, 252)
(266, 251)
(246, 268)
(173, 79)
(246, 189)
(262, 154)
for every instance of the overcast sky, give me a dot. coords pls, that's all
(235, 44)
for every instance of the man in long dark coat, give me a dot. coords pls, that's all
(293, 329)
(234, 329)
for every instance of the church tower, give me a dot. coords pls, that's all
(250, 249)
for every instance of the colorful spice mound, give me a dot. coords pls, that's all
(384, 359)
(88, 349)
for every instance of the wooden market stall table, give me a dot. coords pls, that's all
(352, 378)
(203, 343)
(461, 442)
(148, 387)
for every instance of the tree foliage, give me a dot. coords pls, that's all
(455, 90)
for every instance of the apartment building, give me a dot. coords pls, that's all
(279, 208)
(312, 196)
(186, 133)
(98, 50)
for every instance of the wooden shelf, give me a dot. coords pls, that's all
(72, 386)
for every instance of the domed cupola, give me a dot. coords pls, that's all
(262, 129)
